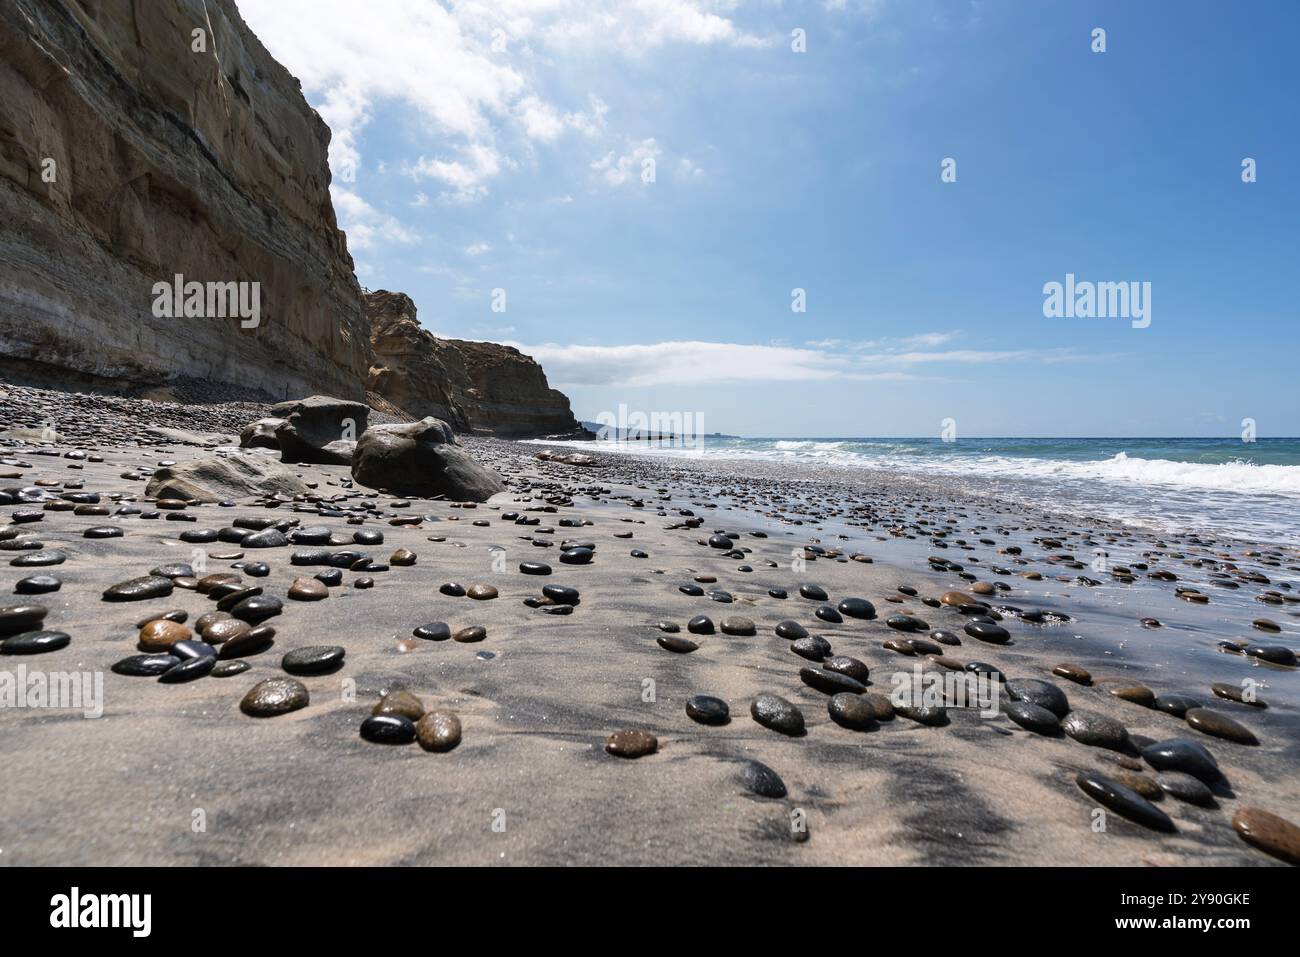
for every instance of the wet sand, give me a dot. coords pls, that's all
(531, 782)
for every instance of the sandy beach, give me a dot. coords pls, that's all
(177, 774)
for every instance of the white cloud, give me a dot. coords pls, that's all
(691, 362)
(478, 249)
(364, 224)
(618, 170)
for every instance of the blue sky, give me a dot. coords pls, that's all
(500, 145)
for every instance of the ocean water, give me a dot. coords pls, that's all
(1249, 490)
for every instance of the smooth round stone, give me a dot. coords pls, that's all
(1270, 833)
(368, 536)
(139, 589)
(1042, 693)
(257, 608)
(176, 570)
(145, 666)
(364, 583)
(438, 731)
(737, 626)
(311, 556)
(403, 557)
(956, 599)
(906, 623)
(561, 594)
(482, 592)
(388, 729)
(759, 779)
(201, 536)
(779, 593)
(270, 538)
(19, 618)
(577, 556)
(34, 643)
(707, 710)
(40, 559)
(682, 646)
(1138, 694)
(189, 669)
(813, 592)
(1274, 654)
(1095, 729)
(774, 712)
(1032, 717)
(719, 541)
(923, 647)
(311, 535)
(827, 613)
(814, 648)
(721, 596)
(631, 743)
(671, 627)
(433, 631)
(1220, 725)
(1123, 801)
(330, 577)
(308, 589)
(791, 630)
(228, 669)
(404, 703)
(1235, 693)
(1185, 787)
(470, 634)
(232, 594)
(1179, 754)
(880, 705)
(274, 696)
(844, 665)
(932, 715)
(1143, 784)
(453, 590)
(256, 569)
(316, 660)
(638, 553)
(223, 630)
(160, 634)
(1176, 704)
(851, 711)
(251, 642)
(1076, 673)
(830, 682)
(37, 585)
(193, 648)
(987, 631)
(856, 608)
(534, 568)
(694, 591)
(700, 625)
(944, 637)
(103, 531)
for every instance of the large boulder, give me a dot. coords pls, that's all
(319, 429)
(421, 458)
(260, 434)
(222, 478)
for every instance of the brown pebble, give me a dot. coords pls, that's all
(308, 589)
(1268, 832)
(1138, 694)
(1073, 672)
(1220, 726)
(403, 556)
(160, 634)
(482, 592)
(402, 703)
(438, 731)
(631, 744)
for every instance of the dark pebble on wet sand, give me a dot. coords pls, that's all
(984, 631)
(228, 669)
(534, 568)
(317, 660)
(145, 666)
(139, 589)
(434, 631)
(1219, 725)
(774, 712)
(388, 729)
(37, 585)
(257, 608)
(857, 608)
(1123, 801)
(1042, 693)
(189, 669)
(814, 647)
(700, 625)
(762, 780)
(851, 710)
(19, 618)
(274, 696)
(1185, 787)
(34, 643)
(1032, 717)
(1179, 754)
(1095, 729)
(470, 634)
(631, 744)
(561, 594)
(830, 682)
(791, 630)
(707, 710)
(677, 643)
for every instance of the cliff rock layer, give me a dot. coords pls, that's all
(129, 155)
(474, 386)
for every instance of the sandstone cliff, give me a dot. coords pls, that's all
(474, 386)
(165, 160)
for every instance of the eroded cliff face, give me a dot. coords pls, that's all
(473, 386)
(166, 159)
